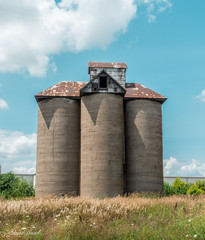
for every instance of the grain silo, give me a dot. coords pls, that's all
(58, 146)
(144, 146)
(102, 137)
(99, 138)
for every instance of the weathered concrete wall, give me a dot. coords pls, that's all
(102, 145)
(144, 146)
(58, 147)
(119, 74)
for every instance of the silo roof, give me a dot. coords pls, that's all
(136, 90)
(72, 89)
(62, 89)
(106, 65)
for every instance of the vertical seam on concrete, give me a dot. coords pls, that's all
(79, 187)
(162, 142)
(125, 150)
(53, 139)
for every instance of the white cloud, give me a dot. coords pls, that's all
(17, 150)
(154, 7)
(195, 168)
(3, 104)
(169, 165)
(33, 31)
(173, 167)
(201, 96)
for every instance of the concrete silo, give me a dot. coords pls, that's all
(102, 138)
(144, 146)
(99, 138)
(58, 147)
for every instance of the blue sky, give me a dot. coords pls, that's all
(162, 42)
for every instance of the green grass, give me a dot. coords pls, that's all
(134, 217)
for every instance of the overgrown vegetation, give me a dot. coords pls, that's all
(138, 216)
(181, 187)
(120, 218)
(13, 187)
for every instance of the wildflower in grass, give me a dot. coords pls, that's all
(23, 228)
(186, 236)
(67, 217)
(58, 215)
(132, 224)
(189, 220)
(55, 219)
(33, 227)
(195, 236)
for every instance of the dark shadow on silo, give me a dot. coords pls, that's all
(90, 105)
(135, 133)
(47, 112)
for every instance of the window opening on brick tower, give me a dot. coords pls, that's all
(103, 82)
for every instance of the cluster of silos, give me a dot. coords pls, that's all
(58, 147)
(101, 144)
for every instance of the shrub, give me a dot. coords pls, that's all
(195, 190)
(13, 187)
(179, 186)
(168, 190)
(200, 185)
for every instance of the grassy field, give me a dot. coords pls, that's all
(133, 217)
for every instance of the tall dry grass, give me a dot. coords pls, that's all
(132, 217)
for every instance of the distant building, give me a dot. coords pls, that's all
(99, 138)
